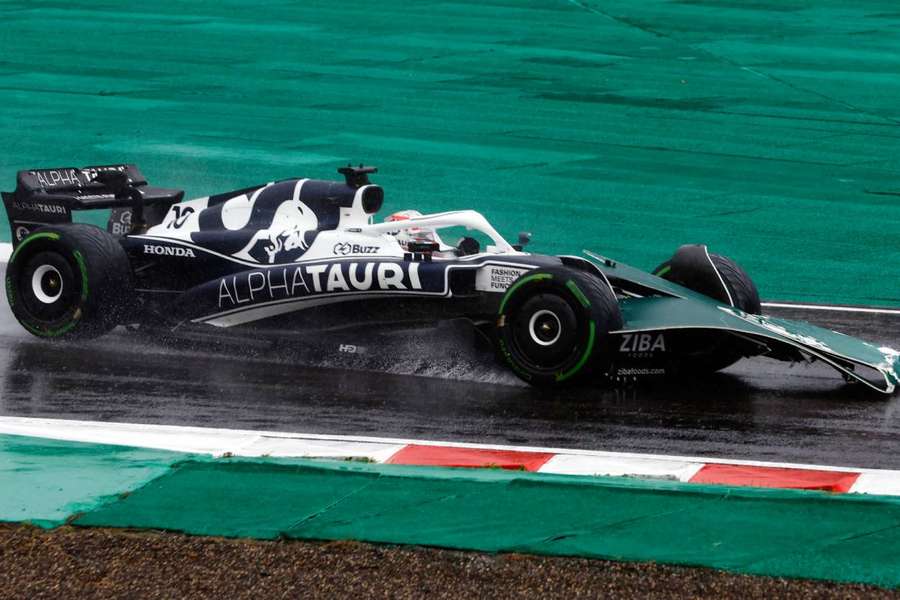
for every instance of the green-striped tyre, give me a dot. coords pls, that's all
(553, 325)
(68, 281)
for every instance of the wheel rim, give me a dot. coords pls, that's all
(48, 289)
(544, 332)
(47, 284)
(544, 327)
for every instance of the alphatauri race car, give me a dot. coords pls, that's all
(308, 254)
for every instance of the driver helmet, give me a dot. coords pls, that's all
(415, 235)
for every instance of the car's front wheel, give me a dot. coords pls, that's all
(553, 324)
(727, 283)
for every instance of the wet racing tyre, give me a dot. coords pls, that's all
(713, 353)
(69, 281)
(553, 324)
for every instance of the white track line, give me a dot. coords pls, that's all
(249, 443)
(834, 308)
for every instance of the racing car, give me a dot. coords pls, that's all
(308, 254)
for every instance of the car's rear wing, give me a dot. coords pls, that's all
(47, 196)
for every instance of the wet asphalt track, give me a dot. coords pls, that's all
(438, 388)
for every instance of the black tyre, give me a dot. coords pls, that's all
(742, 291)
(553, 323)
(69, 281)
(713, 352)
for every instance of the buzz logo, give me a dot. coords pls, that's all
(168, 251)
(120, 221)
(642, 342)
(344, 249)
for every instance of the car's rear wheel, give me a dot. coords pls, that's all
(553, 323)
(705, 352)
(67, 281)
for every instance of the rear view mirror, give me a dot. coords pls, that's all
(524, 239)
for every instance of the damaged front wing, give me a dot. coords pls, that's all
(667, 306)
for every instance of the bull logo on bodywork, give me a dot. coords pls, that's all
(286, 238)
(267, 225)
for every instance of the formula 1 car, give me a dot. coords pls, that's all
(307, 254)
